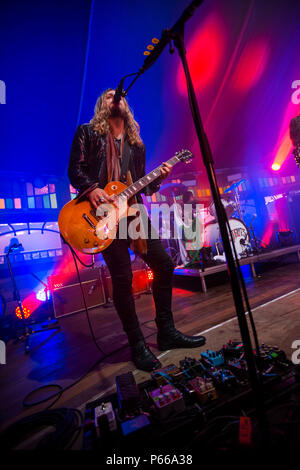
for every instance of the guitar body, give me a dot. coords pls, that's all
(86, 232)
(92, 233)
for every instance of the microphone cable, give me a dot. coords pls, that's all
(58, 389)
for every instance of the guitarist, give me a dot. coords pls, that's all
(107, 149)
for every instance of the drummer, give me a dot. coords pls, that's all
(188, 198)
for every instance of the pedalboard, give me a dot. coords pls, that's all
(165, 374)
(213, 357)
(167, 400)
(232, 349)
(105, 417)
(179, 402)
(204, 389)
(128, 394)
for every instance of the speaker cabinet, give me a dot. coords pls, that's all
(294, 214)
(66, 292)
(140, 282)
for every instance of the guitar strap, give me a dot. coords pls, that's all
(125, 162)
(139, 245)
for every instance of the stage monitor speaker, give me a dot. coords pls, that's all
(66, 292)
(286, 238)
(294, 214)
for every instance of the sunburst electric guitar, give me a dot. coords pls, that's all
(92, 233)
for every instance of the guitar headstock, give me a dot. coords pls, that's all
(185, 156)
(296, 153)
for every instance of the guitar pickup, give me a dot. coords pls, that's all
(89, 221)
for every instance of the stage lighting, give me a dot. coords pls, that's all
(41, 295)
(150, 275)
(26, 311)
(275, 167)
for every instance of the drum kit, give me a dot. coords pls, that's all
(240, 233)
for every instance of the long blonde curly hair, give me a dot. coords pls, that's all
(101, 124)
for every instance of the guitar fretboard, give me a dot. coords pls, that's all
(134, 188)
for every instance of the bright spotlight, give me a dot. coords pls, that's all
(275, 167)
(41, 295)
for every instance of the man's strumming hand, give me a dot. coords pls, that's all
(99, 196)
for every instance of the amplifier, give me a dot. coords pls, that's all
(66, 292)
(294, 214)
(140, 282)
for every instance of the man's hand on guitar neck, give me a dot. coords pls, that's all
(99, 196)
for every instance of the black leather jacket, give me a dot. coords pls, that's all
(87, 164)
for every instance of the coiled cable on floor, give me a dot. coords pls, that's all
(66, 422)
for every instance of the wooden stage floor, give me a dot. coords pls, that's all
(64, 356)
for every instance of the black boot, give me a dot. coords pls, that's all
(141, 354)
(143, 357)
(170, 338)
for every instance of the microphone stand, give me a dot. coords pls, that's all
(28, 331)
(176, 34)
(17, 297)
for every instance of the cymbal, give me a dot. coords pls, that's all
(203, 202)
(234, 185)
(173, 189)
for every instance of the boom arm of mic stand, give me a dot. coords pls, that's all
(165, 39)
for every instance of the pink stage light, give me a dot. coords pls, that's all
(276, 166)
(266, 238)
(251, 65)
(204, 54)
(283, 147)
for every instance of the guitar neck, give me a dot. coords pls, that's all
(134, 188)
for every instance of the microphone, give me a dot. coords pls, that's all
(119, 92)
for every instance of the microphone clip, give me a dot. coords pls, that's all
(119, 93)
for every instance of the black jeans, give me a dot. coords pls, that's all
(118, 261)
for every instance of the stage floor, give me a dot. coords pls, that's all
(64, 356)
